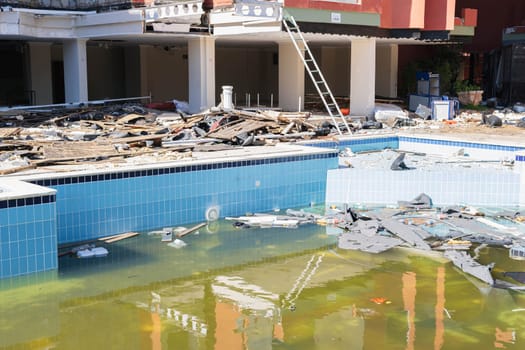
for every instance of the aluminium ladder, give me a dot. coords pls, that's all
(314, 72)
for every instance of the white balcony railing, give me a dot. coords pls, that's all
(173, 10)
(259, 8)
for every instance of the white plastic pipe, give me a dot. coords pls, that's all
(227, 92)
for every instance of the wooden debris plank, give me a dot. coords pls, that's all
(138, 138)
(77, 150)
(102, 125)
(16, 145)
(213, 148)
(121, 237)
(297, 115)
(287, 129)
(130, 118)
(105, 238)
(191, 229)
(224, 126)
(305, 123)
(192, 121)
(274, 115)
(8, 132)
(245, 126)
(204, 114)
(17, 169)
(253, 115)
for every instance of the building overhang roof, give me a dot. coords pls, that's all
(175, 23)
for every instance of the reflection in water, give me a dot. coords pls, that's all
(409, 301)
(156, 331)
(302, 281)
(257, 289)
(504, 337)
(440, 308)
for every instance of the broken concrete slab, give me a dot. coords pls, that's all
(369, 244)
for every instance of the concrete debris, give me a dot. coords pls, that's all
(422, 201)
(419, 225)
(467, 264)
(408, 234)
(375, 244)
(399, 163)
(423, 112)
(386, 113)
(519, 108)
(492, 120)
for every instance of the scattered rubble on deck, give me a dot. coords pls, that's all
(109, 135)
(112, 134)
(410, 225)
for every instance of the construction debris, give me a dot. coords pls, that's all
(32, 139)
(99, 134)
(417, 224)
(466, 263)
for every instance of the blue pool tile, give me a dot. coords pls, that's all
(5, 268)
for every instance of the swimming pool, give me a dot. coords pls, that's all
(88, 204)
(237, 289)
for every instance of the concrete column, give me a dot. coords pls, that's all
(201, 70)
(362, 77)
(40, 72)
(291, 78)
(386, 70)
(75, 70)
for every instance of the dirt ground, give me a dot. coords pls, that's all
(469, 125)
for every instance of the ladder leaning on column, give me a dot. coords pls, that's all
(314, 72)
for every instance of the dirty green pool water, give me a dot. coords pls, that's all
(259, 289)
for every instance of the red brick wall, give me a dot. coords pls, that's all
(374, 6)
(493, 17)
(210, 4)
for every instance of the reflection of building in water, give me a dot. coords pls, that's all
(504, 337)
(409, 292)
(248, 308)
(246, 315)
(409, 302)
(440, 308)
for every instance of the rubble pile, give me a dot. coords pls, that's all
(453, 232)
(112, 133)
(106, 135)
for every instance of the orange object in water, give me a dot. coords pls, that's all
(345, 111)
(380, 300)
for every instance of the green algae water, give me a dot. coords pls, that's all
(256, 288)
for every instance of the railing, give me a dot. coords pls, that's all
(259, 8)
(175, 9)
